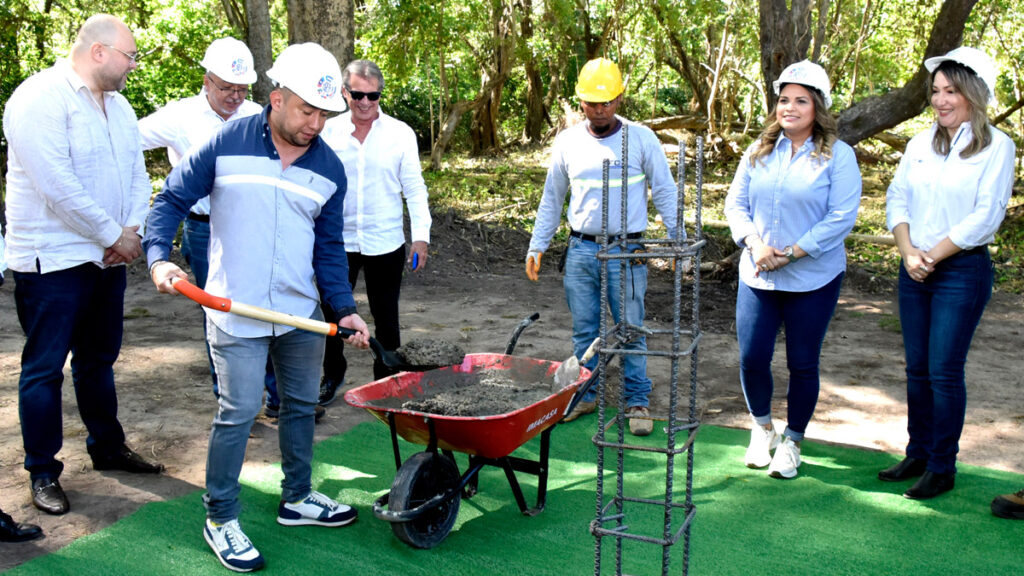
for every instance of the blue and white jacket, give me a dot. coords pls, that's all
(275, 235)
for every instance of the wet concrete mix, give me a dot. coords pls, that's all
(486, 392)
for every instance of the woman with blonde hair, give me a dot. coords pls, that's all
(791, 204)
(944, 206)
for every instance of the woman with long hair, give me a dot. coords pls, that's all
(792, 203)
(944, 205)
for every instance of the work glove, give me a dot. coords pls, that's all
(533, 264)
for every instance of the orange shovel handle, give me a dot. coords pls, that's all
(207, 300)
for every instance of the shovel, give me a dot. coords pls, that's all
(387, 357)
(569, 370)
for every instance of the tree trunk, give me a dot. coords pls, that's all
(785, 39)
(534, 86)
(452, 121)
(484, 135)
(678, 59)
(329, 23)
(877, 113)
(258, 15)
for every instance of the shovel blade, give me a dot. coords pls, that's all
(568, 372)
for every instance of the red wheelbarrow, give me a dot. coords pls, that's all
(424, 499)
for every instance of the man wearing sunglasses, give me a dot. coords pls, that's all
(576, 169)
(182, 125)
(77, 193)
(382, 163)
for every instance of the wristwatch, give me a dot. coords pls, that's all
(788, 253)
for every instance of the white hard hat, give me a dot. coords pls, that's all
(974, 59)
(312, 73)
(230, 60)
(806, 73)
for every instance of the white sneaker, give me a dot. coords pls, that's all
(315, 510)
(232, 547)
(762, 442)
(786, 460)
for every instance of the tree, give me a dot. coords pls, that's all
(259, 41)
(785, 39)
(330, 23)
(877, 113)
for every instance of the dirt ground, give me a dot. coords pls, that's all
(473, 292)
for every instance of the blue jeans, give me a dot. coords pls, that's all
(938, 318)
(79, 311)
(240, 363)
(583, 292)
(195, 247)
(806, 316)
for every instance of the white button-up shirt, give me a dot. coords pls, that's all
(962, 198)
(75, 175)
(381, 171)
(182, 125)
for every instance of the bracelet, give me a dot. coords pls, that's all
(154, 265)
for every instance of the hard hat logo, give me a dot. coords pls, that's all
(326, 87)
(238, 67)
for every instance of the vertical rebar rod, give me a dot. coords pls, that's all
(602, 399)
(623, 321)
(695, 328)
(677, 283)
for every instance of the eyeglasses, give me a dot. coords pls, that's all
(598, 104)
(357, 95)
(133, 57)
(241, 92)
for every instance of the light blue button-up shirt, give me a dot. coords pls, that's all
(795, 199)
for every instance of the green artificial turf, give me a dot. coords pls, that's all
(836, 517)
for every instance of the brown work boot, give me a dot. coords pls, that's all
(640, 423)
(581, 409)
(1009, 506)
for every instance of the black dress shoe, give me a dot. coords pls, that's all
(48, 496)
(11, 531)
(128, 460)
(930, 485)
(906, 469)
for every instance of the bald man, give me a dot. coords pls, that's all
(77, 193)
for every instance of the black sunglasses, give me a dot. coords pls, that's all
(357, 95)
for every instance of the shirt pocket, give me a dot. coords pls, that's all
(87, 143)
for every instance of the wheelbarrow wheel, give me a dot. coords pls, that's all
(422, 477)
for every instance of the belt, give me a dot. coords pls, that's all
(594, 239)
(199, 217)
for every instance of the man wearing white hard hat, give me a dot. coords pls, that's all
(276, 194)
(576, 170)
(184, 124)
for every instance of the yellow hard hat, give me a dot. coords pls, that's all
(599, 81)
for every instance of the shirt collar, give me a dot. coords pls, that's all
(785, 139)
(76, 82)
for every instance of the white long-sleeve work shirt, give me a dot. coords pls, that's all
(962, 198)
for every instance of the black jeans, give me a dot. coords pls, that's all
(79, 311)
(383, 277)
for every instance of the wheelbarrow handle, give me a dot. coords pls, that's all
(207, 300)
